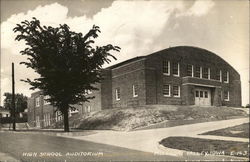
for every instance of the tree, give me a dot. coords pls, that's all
(67, 62)
(21, 101)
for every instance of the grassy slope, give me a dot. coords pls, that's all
(132, 118)
(236, 131)
(207, 146)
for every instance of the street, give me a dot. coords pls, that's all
(26, 146)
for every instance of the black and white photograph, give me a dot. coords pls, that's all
(124, 80)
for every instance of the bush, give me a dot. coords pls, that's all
(248, 106)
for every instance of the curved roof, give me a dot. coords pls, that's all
(192, 52)
(195, 53)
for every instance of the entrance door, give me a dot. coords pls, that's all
(202, 97)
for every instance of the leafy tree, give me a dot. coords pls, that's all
(20, 99)
(67, 62)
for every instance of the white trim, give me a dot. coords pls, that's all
(37, 101)
(192, 70)
(135, 95)
(201, 78)
(169, 90)
(227, 81)
(220, 76)
(202, 85)
(209, 73)
(178, 70)
(44, 100)
(168, 70)
(200, 71)
(179, 90)
(116, 94)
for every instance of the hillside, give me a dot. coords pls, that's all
(127, 119)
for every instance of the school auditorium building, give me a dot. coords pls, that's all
(180, 75)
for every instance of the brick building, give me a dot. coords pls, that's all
(175, 76)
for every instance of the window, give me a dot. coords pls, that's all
(176, 91)
(117, 94)
(201, 94)
(197, 71)
(226, 95)
(190, 70)
(206, 94)
(166, 90)
(176, 69)
(206, 73)
(166, 67)
(197, 94)
(87, 109)
(45, 100)
(38, 101)
(218, 75)
(226, 77)
(135, 90)
(58, 116)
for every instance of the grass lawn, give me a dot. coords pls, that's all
(236, 131)
(126, 119)
(207, 146)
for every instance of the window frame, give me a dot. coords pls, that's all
(117, 97)
(166, 65)
(44, 100)
(37, 101)
(226, 92)
(179, 91)
(192, 70)
(135, 90)
(169, 90)
(178, 69)
(227, 77)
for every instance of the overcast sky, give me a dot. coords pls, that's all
(138, 27)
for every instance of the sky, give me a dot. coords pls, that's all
(138, 27)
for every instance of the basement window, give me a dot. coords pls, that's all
(117, 94)
(166, 67)
(135, 90)
(226, 95)
(166, 90)
(176, 91)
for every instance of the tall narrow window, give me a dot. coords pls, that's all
(218, 75)
(190, 70)
(37, 101)
(117, 94)
(166, 90)
(166, 67)
(226, 77)
(176, 69)
(205, 73)
(176, 91)
(226, 95)
(135, 90)
(197, 71)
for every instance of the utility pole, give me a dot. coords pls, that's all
(13, 99)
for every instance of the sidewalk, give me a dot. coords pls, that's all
(7, 158)
(148, 140)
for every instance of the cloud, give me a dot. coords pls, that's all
(199, 8)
